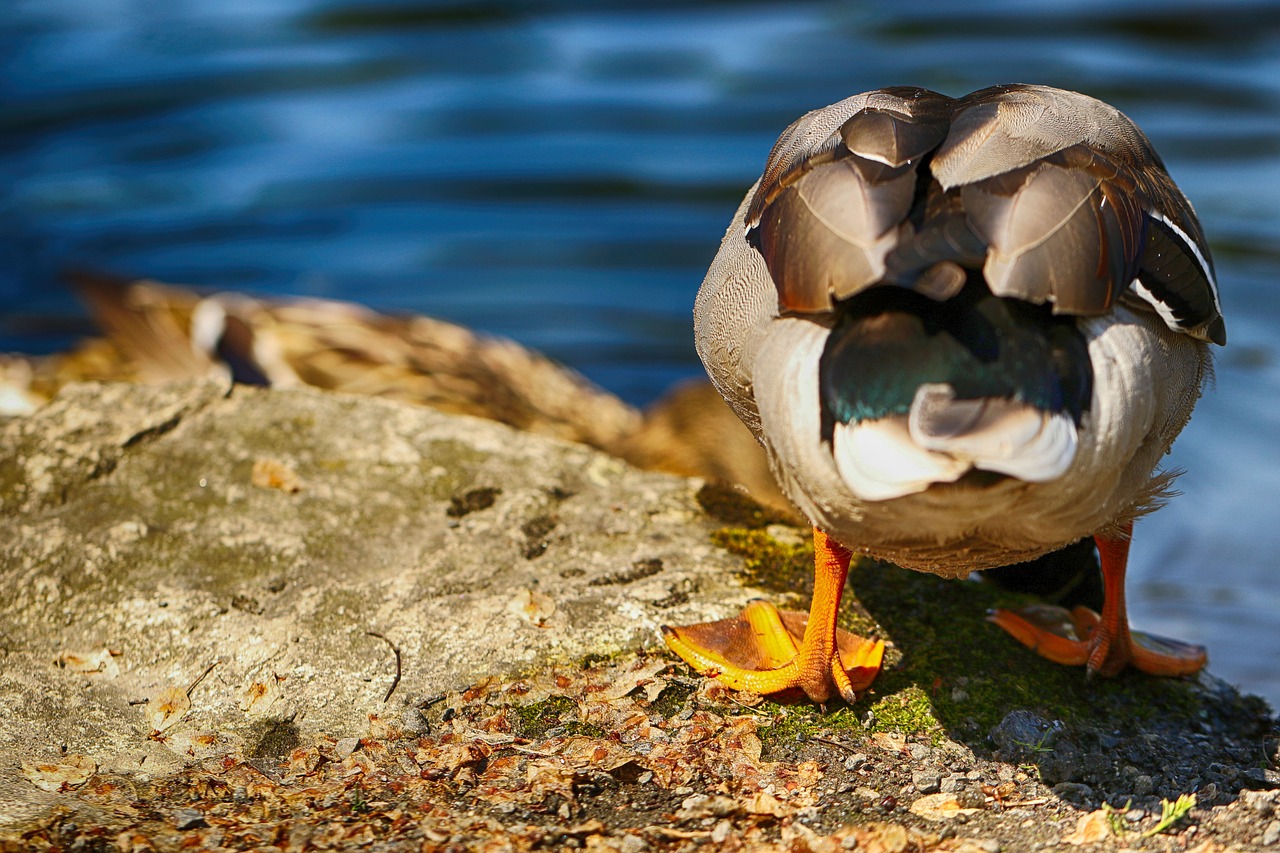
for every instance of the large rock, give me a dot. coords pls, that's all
(282, 543)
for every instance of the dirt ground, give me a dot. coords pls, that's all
(639, 753)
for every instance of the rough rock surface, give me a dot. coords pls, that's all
(239, 619)
(273, 535)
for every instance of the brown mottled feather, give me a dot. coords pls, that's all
(416, 359)
(1059, 197)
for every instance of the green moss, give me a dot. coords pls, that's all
(273, 739)
(459, 462)
(954, 667)
(606, 656)
(673, 698)
(908, 711)
(794, 724)
(536, 719)
(947, 668)
(767, 562)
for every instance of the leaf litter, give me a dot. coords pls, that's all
(630, 756)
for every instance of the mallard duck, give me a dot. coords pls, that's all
(965, 331)
(159, 333)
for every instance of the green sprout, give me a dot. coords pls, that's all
(1115, 817)
(1171, 813)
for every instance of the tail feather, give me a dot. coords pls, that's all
(1001, 435)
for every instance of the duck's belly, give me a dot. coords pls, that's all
(1146, 380)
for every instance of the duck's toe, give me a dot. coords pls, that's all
(761, 651)
(1164, 656)
(1081, 638)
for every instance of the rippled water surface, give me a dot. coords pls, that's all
(562, 172)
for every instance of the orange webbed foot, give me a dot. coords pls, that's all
(1072, 639)
(760, 651)
(1102, 643)
(766, 650)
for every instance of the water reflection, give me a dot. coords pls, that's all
(562, 172)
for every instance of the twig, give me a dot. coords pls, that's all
(395, 682)
(672, 832)
(1271, 752)
(431, 701)
(196, 683)
(835, 743)
(749, 708)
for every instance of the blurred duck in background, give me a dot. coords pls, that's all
(157, 333)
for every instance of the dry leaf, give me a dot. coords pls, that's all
(891, 838)
(302, 761)
(382, 729)
(939, 807)
(890, 741)
(166, 708)
(258, 697)
(643, 675)
(203, 745)
(706, 805)
(1208, 846)
(808, 773)
(767, 804)
(532, 606)
(101, 661)
(1092, 828)
(273, 474)
(544, 778)
(71, 772)
(595, 753)
(357, 764)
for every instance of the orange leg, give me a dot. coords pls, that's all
(766, 650)
(1104, 644)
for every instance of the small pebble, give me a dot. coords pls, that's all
(1075, 792)
(853, 762)
(926, 782)
(629, 843)
(1262, 802)
(184, 819)
(1262, 778)
(1272, 833)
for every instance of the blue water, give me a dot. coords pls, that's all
(562, 172)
